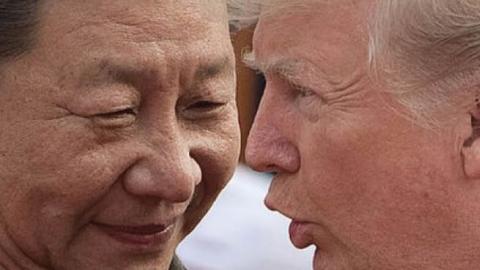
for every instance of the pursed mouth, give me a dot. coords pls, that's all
(299, 234)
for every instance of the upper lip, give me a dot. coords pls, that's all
(147, 229)
(270, 205)
(300, 239)
(152, 236)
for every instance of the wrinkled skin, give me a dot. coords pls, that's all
(369, 188)
(122, 114)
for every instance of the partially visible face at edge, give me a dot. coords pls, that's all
(120, 122)
(366, 186)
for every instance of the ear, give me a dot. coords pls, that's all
(471, 146)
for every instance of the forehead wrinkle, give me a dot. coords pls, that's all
(305, 72)
(296, 71)
(138, 21)
(107, 70)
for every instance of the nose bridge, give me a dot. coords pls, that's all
(166, 170)
(268, 146)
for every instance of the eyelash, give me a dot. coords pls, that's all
(122, 118)
(205, 104)
(119, 113)
(302, 91)
(202, 110)
(299, 90)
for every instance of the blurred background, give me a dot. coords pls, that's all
(239, 232)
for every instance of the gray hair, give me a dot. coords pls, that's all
(429, 53)
(243, 13)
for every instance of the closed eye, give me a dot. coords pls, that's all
(203, 109)
(116, 119)
(205, 105)
(119, 113)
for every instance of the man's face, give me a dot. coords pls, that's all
(118, 130)
(366, 186)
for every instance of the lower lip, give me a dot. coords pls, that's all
(298, 234)
(153, 240)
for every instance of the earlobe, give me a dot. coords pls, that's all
(471, 147)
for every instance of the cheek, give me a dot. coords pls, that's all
(220, 151)
(372, 188)
(57, 178)
(56, 160)
(47, 183)
(217, 156)
(349, 158)
(220, 163)
(338, 167)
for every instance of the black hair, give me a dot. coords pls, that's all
(18, 20)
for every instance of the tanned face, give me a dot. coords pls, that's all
(118, 130)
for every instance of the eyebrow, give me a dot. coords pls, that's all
(287, 68)
(105, 71)
(213, 69)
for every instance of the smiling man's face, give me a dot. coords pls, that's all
(366, 186)
(118, 130)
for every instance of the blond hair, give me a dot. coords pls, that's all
(429, 53)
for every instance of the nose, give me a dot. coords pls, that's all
(168, 174)
(269, 148)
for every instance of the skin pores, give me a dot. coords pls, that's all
(118, 130)
(364, 184)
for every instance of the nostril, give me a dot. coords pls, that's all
(271, 169)
(267, 168)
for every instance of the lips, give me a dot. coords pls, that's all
(151, 235)
(299, 234)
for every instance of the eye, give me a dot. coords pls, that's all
(205, 105)
(117, 114)
(203, 109)
(302, 91)
(116, 119)
(308, 101)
